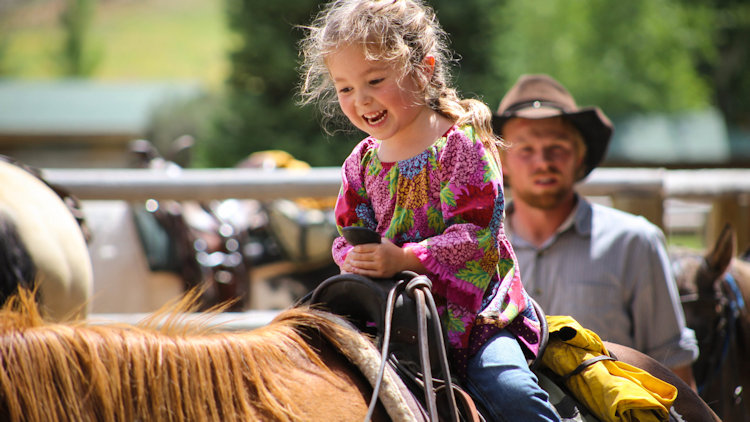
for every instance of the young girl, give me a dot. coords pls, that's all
(427, 179)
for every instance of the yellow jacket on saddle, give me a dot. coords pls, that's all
(610, 389)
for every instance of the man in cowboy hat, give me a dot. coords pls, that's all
(606, 268)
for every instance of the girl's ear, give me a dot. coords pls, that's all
(429, 66)
(423, 75)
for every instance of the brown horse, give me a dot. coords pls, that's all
(42, 245)
(297, 368)
(715, 290)
(289, 370)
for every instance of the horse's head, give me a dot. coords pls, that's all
(713, 289)
(700, 282)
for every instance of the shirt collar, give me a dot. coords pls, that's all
(582, 216)
(578, 220)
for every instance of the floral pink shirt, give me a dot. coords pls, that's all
(446, 204)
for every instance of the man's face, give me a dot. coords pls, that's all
(542, 161)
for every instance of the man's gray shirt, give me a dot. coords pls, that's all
(610, 271)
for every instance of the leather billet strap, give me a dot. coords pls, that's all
(585, 364)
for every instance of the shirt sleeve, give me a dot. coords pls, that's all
(659, 326)
(466, 256)
(353, 207)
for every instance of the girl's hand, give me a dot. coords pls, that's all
(381, 260)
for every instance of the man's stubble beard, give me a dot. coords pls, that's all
(544, 201)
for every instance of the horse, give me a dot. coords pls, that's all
(714, 288)
(297, 368)
(305, 365)
(42, 243)
(688, 403)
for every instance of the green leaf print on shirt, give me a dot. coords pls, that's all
(505, 268)
(432, 160)
(362, 192)
(392, 178)
(435, 220)
(484, 239)
(454, 323)
(402, 221)
(491, 170)
(446, 194)
(474, 274)
(374, 167)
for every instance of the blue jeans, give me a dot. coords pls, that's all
(499, 377)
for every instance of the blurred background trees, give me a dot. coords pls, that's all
(262, 112)
(78, 58)
(639, 56)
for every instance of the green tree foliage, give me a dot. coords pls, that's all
(728, 68)
(3, 51)
(631, 56)
(77, 57)
(626, 57)
(6, 8)
(472, 35)
(262, 112)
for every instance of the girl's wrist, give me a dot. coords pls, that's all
(411, 261)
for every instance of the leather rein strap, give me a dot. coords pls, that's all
(418, 288)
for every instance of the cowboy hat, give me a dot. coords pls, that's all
(539, 97)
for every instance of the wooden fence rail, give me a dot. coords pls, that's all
(637, 190)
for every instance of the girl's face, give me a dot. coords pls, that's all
(372, 97)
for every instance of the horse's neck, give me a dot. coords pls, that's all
(740, 272)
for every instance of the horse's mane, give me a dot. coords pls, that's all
(77, 371)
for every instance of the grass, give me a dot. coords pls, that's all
(133, 40)
(686, 240)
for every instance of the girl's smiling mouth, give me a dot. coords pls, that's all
(375, 118)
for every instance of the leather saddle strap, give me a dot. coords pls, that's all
(390, 303)
(421, 288)
(469, 409)
(585, 364)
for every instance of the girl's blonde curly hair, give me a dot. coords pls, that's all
(400, 32)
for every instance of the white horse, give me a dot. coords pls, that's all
(42, 245)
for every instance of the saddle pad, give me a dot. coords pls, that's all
(395, 396)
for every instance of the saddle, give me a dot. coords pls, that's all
(396, 314)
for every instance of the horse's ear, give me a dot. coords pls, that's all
(719, 257)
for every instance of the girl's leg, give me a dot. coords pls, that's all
(499, 377)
